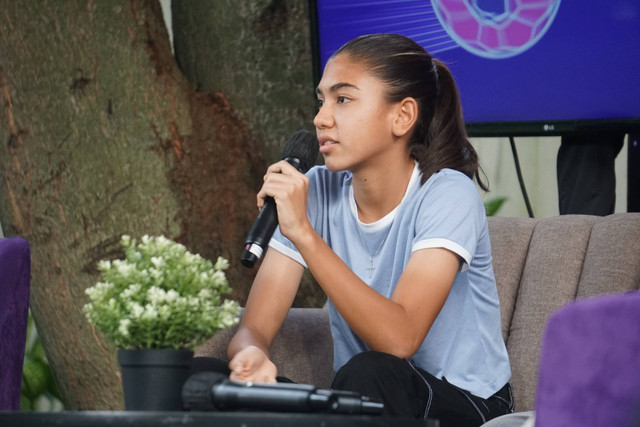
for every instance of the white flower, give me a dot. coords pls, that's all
(160, 295)
(229, 313)
(221, 264)
(162, 242)
(136, 310)
(155, 274)
(188, 258)
(150, 312)
(131, 290)
(164, 312)
(194, 303)
(181, 303)
(98, 291)
(172, 295)
(124, 327)
(156, 295)
(104, 265)
(157, 262)
(219, 278)
(205, 294)
(230, 305)
(124, 267)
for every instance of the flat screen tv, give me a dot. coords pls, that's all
(523, 67)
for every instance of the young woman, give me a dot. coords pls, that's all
(395, 233)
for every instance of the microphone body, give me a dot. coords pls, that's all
(229, 395)
(213, 391)
(300, 151)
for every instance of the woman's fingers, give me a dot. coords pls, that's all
(281, 167)
(252, 364)
(281, 181)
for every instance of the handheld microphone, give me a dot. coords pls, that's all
(213, 391)
(300, 151)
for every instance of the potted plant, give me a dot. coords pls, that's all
(156, 305)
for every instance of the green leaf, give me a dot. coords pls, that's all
(35, 378)
(25, 403)
(493, 205)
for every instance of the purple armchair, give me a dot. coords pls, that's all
(590, 364)
(15, 278)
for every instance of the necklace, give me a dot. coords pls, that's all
(371, 268)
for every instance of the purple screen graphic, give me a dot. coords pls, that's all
(495, 29)
(513, 60)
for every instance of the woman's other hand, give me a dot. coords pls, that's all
(252, 365)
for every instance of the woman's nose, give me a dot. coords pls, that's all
(323, 118)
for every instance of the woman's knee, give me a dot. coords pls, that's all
(367, 366)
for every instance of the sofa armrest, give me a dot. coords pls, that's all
(302, 349)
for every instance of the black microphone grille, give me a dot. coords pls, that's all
(303, 145)
(196, 391)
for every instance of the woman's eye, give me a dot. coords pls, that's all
(342, 99)
(320, 103)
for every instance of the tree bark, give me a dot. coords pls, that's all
(258, 53)
(101, 136)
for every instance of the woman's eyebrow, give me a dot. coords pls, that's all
(336, 87)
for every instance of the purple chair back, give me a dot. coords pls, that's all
(15, 278)
(590, 364)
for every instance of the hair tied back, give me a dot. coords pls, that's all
(434, 70)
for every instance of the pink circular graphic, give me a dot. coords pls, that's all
(508, 30)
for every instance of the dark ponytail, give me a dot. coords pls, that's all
(439, 139)
(446, 144)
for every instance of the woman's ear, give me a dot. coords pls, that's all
(406, 117)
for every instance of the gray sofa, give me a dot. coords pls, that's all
(540, 265)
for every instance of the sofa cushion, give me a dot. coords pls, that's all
(549, 280)
(612, 263)
(510, 239)
(302, 349)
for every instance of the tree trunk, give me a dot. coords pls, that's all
(102, 135)
(258, 53)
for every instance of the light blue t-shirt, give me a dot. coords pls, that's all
(465, 342)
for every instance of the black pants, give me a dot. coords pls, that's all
(586, 173)
(405, 390)
(412, 392)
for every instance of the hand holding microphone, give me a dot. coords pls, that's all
(289, 189)
(300, 151)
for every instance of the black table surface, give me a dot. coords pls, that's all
(184, 418)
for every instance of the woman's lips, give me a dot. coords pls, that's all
(326, 144)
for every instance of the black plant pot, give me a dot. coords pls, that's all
(152, 379)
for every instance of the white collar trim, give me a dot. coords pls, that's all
(386, 220)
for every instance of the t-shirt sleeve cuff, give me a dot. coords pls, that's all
(285, 250)
(445, 244)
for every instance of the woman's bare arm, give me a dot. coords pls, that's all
(270, 298)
